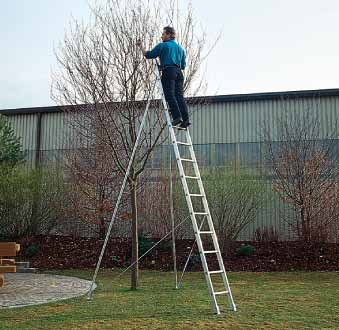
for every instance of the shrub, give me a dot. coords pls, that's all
(245, 250)
(233, 200)
(30, 202)
(32, 250)
(145, 244)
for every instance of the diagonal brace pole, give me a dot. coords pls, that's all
(90, 292)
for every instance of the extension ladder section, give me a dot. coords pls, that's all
(201, 218)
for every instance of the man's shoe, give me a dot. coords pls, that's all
(185, 124)
(177, 122)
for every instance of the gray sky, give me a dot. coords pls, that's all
(266, 45)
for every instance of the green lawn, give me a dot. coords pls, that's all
(295, 300)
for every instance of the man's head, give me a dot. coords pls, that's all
(168, 33)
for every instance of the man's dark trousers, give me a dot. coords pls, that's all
(173, 82)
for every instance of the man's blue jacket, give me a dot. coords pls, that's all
(170, 53)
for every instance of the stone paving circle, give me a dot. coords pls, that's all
(32, 289)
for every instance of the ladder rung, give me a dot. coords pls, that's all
(178, 127)
(187, 160)
(221, 292)
(197, 195)
(191, 177)
(210, 252)
(205, 232)
(216, 272)
(184, 143)
(200, 213)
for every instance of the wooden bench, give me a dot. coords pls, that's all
(8, 249)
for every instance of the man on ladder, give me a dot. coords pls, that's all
(172, 58)
(172, 61)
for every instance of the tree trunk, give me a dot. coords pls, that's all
(305, 229)
(135, 267)
(102, 227)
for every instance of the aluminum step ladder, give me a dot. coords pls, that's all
(201, 219)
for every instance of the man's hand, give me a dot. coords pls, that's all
(140, 45)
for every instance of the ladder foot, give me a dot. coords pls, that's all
(216, 310)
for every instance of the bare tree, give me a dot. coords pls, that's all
(93, 184)
(106, 79)
(155, 209)
(302, 160)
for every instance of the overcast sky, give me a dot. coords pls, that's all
(266, 45)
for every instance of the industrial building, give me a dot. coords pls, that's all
(226, 131)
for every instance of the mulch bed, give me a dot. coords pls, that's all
(60, 252)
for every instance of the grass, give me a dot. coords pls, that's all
(296, 300)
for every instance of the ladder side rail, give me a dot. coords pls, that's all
(194, 221)
(211, 225)
(214, 303)
(202, 191)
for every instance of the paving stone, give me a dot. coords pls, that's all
(32, 289)
(22, 264)
(26, 270)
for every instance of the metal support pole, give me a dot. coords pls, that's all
(173, 224)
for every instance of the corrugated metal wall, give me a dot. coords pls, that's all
(53, 131)
(229, 122)
(236, 122)
(225, 134)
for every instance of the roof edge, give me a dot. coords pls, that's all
(204, 99)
